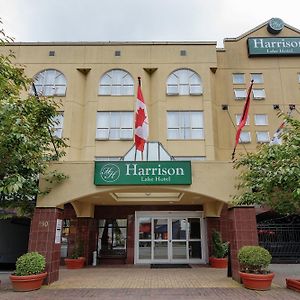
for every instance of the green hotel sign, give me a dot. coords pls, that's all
(279, 46)
(142, 173)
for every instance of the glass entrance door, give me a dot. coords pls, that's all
(176, 238)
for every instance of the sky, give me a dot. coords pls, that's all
(139, 20)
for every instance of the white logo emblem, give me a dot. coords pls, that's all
(110, 173)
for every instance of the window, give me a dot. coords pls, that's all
(259, 94)
(184, 82)
(108, 158)
(260, 120)
(240, 94)
(257, 77)
(117, 125)
(245, 137)
(116, 82)
(190, 158)
(298, 77)
(262, 136)
(50, 83)
(112, 237)
(238, 78)
(58, 125)
(238, 118)
(185, 125)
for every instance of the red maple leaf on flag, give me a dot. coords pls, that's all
(140, 117)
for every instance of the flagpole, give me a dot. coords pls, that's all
(243, 119)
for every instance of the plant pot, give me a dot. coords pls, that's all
(220, 263)
(27, 283)
(293, 284)
(74, 263)
(260, 282)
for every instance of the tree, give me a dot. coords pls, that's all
(27, 145)
(271, 176)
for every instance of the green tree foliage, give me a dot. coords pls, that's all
(271, 176)
(26, 143)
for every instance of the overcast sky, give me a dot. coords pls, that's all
(140, 20)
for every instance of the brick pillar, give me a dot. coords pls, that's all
(42, 239)
(243, 232)
(212, 223)
(130, 240)
(87, 233)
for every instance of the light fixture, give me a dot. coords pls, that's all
(275, 106)
(224, 107)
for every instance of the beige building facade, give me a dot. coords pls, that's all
(194, 93)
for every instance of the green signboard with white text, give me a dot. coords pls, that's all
(279, 46)
(143, 173)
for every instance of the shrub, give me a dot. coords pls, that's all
(219, 248)
(254, 259)
(78, 250)
(30, 264)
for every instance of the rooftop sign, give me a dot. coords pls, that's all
(142, 173)
(279, 46)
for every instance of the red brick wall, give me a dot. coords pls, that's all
(42, 238)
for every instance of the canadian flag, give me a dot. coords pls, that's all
(141, 120)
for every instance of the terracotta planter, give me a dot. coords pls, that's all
(27, 283)
(260, 282)
(220, 263)
(293, 284)
(74, 263)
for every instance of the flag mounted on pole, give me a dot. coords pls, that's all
(141, 120)
(243, 119)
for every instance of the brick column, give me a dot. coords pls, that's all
(212, 223)
(87, 233)
(243, 232)
(42, 239)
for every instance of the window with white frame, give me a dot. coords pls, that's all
(245, 137)
(259, 94)
(58, 125)
(190, 158)
(298, 77)
(238, 78)
(238, 119)
(185, 125)
(114, 125)
(116, 82)
(50, 82)
(262, 136)
(184, 82)
(260, 119)
(240, 94)
(257, 77)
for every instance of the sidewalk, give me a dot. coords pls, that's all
(141, 282)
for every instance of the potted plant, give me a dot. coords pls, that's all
(219, 251)
(254, 261)
(76, 261)
(29, 273)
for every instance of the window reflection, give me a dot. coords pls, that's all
(112, 237)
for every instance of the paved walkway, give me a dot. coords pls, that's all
(141, 282)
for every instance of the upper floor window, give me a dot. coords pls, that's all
(116, 82)
(238, 119)
(260, 119)
(58, 125)
(114, 125)
(238, 78)
(185, 125)
(245, 137)
(184, 82)
(240, 94)
(298, 77)
(262, 137)
(259, 94)
(50, 83)
(257, 77)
